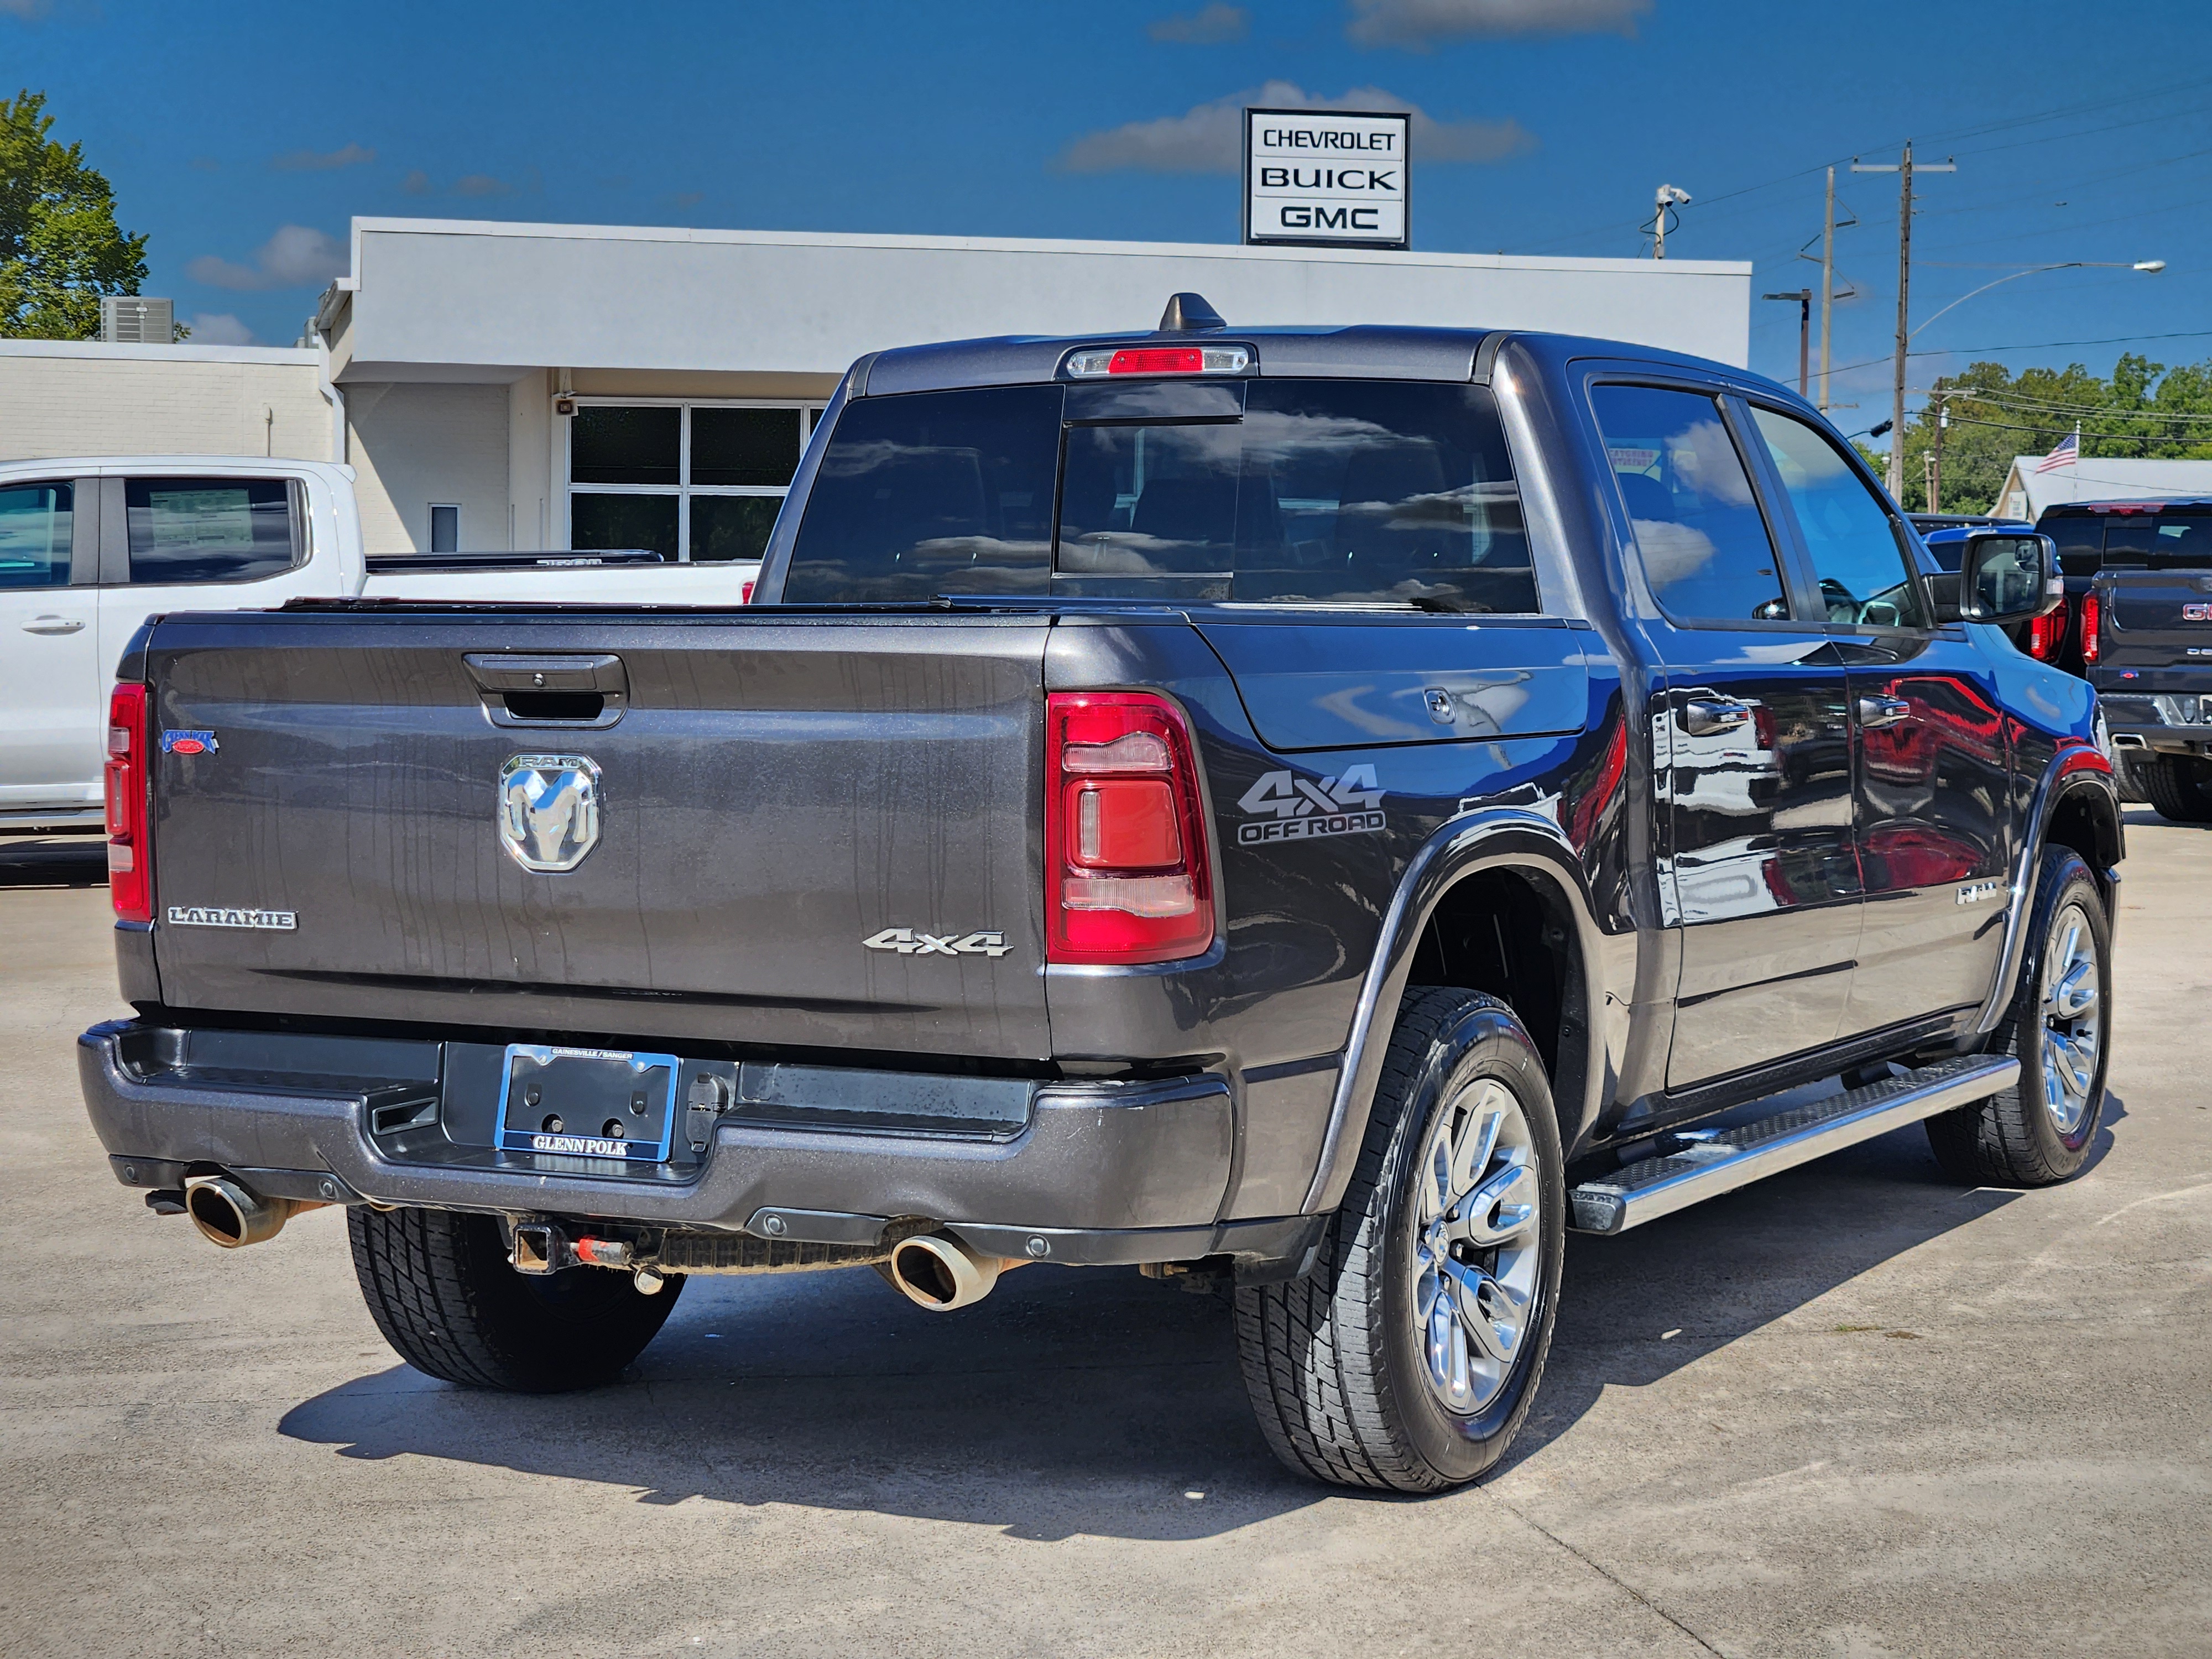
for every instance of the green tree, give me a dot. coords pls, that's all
(2144, 411)
(60, 248)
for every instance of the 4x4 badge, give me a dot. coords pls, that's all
(911, 942)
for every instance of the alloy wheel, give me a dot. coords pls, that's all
(1476, 1245)
(2072, 1017)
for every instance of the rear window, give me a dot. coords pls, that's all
(1265, 491)
(2163, 541)
(2081, 540)
(212, 530)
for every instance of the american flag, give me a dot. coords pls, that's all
(2064, 453)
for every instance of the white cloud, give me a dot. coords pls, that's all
(218, 328)
(1416, 24)
(309, 161)
(1210, 25)
(1209, 137)
(295, 256)
(482, 184)
(29, 10)
(417, 183)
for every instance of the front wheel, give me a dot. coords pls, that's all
(1408, 1356)
(440, 1287)
(2036, 1132)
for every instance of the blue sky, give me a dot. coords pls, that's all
(242, 136)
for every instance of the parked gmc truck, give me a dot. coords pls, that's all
(1314, 813)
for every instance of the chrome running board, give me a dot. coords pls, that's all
(1721, 1160)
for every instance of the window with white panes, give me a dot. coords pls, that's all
(694, 482)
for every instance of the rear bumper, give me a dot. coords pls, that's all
(1100, 1174)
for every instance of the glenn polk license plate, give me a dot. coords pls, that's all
(589, 1103)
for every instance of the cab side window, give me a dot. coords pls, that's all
(212, 530)
(1853, 541)
(36, 523)
(1700, 534)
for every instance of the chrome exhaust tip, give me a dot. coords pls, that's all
(936, 1271)
(231, 1215)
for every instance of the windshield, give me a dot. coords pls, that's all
(1264, 491)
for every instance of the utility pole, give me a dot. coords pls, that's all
(1827, 283)
(1803, 296)
(1902, 168)
(1936, 450)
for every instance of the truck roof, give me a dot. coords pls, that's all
(1359, 350)
(2069, 509)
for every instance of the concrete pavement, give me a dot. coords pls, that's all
(1852, 1412)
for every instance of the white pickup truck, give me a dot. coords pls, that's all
(91, 547)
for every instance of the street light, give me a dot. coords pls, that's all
(1934, 457)
(2149, 266)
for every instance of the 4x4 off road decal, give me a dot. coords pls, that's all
(1284, 806)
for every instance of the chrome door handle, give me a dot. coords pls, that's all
(1701, 718)
(53, 625)
(1883, 711)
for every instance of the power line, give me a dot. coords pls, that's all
(2062, 426)
(2036, 345)
(2136, 98)
(2058, 411)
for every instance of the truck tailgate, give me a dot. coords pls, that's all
(2154, 619)
(817, 831)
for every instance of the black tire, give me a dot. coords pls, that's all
(1334, 1361)
(2015, 1139)
(2179, 788)
(2127, 764)
(442, 1291)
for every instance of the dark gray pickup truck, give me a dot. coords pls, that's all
(1312, 813)
(2147, 646)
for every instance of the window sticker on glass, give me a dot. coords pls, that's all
(201, 517)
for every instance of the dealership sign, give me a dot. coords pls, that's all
(1328, 178)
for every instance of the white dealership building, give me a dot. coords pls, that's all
(523, 386)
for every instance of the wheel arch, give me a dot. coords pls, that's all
(2077, 805)
(1455, 877)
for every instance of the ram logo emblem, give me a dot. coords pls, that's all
(549, 810)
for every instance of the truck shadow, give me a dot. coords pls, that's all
(1099, 1402)
(1636, 1308)
(53, 860)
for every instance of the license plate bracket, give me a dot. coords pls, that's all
(607, 1104)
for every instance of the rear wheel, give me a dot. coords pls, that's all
(1407, 1359)
(440, 1287)
(2179, 787)
(2038, 1132)
(2124, 762)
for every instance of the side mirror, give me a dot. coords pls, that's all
(2008, 577)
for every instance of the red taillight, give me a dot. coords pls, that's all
(2046, 633)
(745, 594)
(2092, 613)
(1126, 862)
(130, 840)
(1158, 360)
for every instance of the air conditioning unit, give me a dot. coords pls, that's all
(127, 320)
